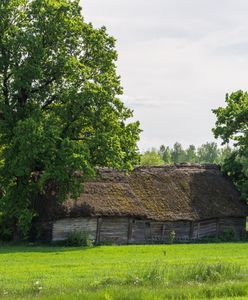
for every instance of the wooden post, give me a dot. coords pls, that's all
(148, 233)
(198, 229)
(217, 227)
(98, 230)
(191, 230)
(130, 230)
(163, 233)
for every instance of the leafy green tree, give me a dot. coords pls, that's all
(161, 150)
(236, 166)
(165, 154)
(224, 153)
(151, 158)
(232, 125)
(208, 153)
(59, 108)
(178, 154)
(191, 155)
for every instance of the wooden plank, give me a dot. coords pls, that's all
(114, 230)
(236, 224)
(138, 236)
(191, 230)
(130, 230)
(61, 228)
(148, 233)
(198, 230)
(163, 232)
(217, 227)
(98, 230)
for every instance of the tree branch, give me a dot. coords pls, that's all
(48, 102)
(6, 77)
(46, 83)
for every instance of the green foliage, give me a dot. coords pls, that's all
(206, 153)
(228, 235)
(191, 154)
(78, 239)
(224, 153)
(232, 126)
(171, 236)
(165, 154)
(151, 158)
(236, 167)
(59, 106)
(5, 228)
(178, 154)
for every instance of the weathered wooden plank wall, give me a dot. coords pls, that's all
(63, 227)
(130, 231)
(181, 228)
(114, 230)
(138, 232)
(207, 228)
(238, 225)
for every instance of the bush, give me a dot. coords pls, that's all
(228, 235)
(108, 243)
(79, 239)
(6, 229)
(172, 237)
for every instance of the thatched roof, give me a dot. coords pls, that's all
(166, 193)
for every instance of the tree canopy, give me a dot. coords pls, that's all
(232, 126)
(151, 158)
(59, 106)
(206, 153)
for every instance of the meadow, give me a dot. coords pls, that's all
(201, 271)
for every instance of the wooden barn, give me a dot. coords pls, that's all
(149, 204)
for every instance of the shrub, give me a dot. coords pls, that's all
(171, 237)
(79, 239)
(107, 243)
(228, 235)
(6, 232)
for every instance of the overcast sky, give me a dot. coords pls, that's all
(177, 60)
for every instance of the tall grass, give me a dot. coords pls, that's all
(171, 275)
(200, 281)
(130, 272)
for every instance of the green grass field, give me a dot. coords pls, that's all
(202, 271)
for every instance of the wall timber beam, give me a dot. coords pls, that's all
(98, 230)
(130, 230)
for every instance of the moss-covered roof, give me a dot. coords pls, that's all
(166, 193)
